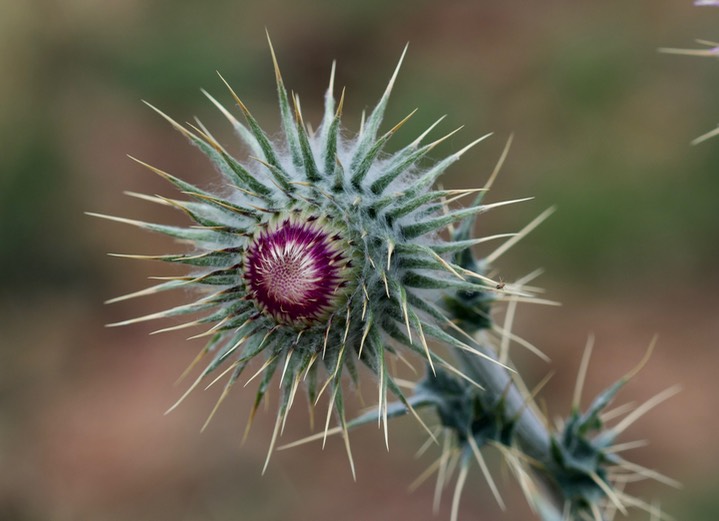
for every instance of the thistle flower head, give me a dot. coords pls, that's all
(323, 251)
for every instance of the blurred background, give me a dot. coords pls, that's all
(602, 125)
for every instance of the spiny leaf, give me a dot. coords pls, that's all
(195, 307)
(407, 207)
(288, 125)
(267, 150)
(268, 373)
(208, 216)
(416, 280)
(328, 116)
(283, 180)
(246, 179)
(361, 164)
(242, 336)
(189, 234)
(330, 140)
(428, 178)
(369, 128)
(241, 130)
(226, 206)
(220, 257)
(456, 246)
(415, 230)
(307, 156)
(165, 286)
(402, 161)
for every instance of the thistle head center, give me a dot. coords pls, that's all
(296, 270)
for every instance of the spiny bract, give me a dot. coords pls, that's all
(324, 251)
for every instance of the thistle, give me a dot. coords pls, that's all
(323, 252)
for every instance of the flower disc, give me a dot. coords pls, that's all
(296, 270)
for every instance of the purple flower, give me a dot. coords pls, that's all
(297, 270)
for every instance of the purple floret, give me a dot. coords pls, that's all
(294, 270)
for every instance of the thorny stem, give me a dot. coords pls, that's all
(531, 432)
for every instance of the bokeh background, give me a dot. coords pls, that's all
(602, 125)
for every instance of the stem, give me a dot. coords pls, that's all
(531, 433)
